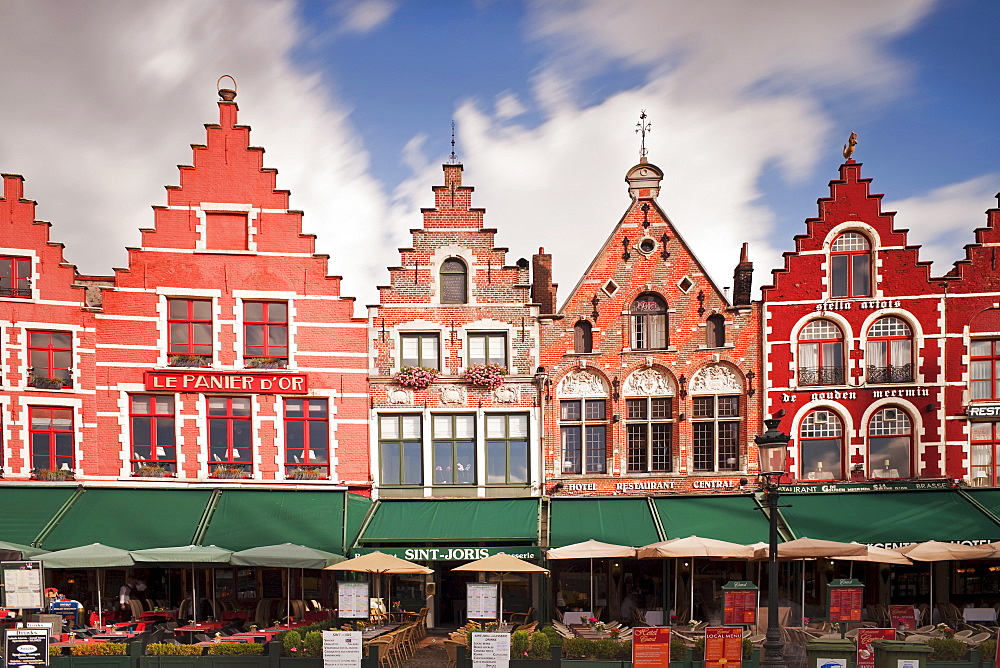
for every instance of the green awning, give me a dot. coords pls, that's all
(624, 521)
(987, 499)
(354, 518)
(132, 519)
(736, 519)
(887, 519)
(452, 521)
(35, 506)
(251, 518)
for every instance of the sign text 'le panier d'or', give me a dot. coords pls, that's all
(200, 381)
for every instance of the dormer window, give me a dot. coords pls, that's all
(850, 262)
(454, 282)
(649, 322)
(715, 331)
(583, 337)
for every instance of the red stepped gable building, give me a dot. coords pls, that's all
(452, 306)
(652, 373)
(222, 351)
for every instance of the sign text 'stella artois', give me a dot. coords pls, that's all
(257, 383)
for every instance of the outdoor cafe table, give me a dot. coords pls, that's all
(586, 631)
(158, 615)
(113, 636)
(576, 617)
(201, 627)
(980, 615)
(375, 631)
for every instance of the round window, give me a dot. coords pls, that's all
(647, 245)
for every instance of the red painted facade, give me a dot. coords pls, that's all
(223, 350)
(653, 375)
(451, 304)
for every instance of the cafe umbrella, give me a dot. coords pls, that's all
(95, 555)
(183, 556)
(287, 556)
(501, 563)
(378, 563)
(18, 552)
(933, 550)
(591, 549)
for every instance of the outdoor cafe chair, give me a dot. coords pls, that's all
(963, 634)
(383, 646)
(978, 638)
(451, 650)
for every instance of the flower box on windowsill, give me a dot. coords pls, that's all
(416, 377)
(152, 472)
(190, 360)
(42, 383)
(230, 473)
(306, 473)
(265, 362)
(51, 474)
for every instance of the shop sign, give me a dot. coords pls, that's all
(848, 395)
(866, 653)
(723, 647)
(253, 383)
(980, 410)
(864, 487)
(452, 553)
(841, 305)
(650, 647)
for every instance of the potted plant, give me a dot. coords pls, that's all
(229, 471)
(305, 473)
(265, 362)
(51, 474)
(416, 377)
(188, 360)
(488, 376)
(151, 471)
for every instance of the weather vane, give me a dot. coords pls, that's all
(642, 127)
(454, 156)
(852, 141)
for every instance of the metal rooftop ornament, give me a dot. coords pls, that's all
(227, 94)
(641, 128)
(454, 156)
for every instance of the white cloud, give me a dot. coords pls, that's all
(362, 16)
(944, 218)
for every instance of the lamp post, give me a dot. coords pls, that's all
(773, 446)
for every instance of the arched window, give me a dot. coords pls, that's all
(649, 322)
(890, 351)
(850, 261)
(454, 283)
(821, 446)
(583, 337)
(821, 354)
(890, 440)
(715, 331)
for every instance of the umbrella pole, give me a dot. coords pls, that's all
(100, 608)
(802, 608)
(691, 612)
(194, 596)
(932, 592)
(288, 598)
(676, 577)
(500, 600)
(592, 606)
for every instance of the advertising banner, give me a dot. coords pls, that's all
(650, 647)
(866, 653)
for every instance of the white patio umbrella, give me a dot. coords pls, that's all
(933, 550)
(379, 562)
(186, 555)
(591, 549)
(501, 563)
(95, 555)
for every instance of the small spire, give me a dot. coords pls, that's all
(454, 156)
(852, 141)
(642, 127)
(227, 94)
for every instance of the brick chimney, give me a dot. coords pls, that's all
(543, 290)
(743, 279)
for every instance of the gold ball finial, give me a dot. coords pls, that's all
(852, 141)
(227, 94)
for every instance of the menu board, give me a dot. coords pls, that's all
(866, 653)
(903, 616)
(481, 600)
(21, 585)
(739, 607)
(845, 604)
(650, 647)
(26, 647)
(723, 647)
(490, 650)
(352, 600)
(342, 649)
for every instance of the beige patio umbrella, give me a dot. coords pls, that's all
(591, 549)
(934, 550)
(378, 563)
(692, 547)
(501, 563)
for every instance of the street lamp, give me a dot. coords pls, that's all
(773, 446)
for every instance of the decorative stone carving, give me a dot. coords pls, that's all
(716, 379)
(398, 395)
(453, 395)
(582, 383)
(649, 382)
(507, 394)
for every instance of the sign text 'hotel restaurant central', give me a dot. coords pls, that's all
(258, 383)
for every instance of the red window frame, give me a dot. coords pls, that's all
(991, 363)
(161, 410)
(992, 467)
(273, 321)
(50, 357)
(304, 416)
(42, 424)
(15, 276)
(190, 325)
(236, 428)
(853, 287)
(824, 349)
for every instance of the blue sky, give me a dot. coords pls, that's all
(750, 104)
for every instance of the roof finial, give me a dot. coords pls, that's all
(852, 141)
(642, 127)
(227, 94)
(454, 156)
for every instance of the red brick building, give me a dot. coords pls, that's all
(856, 330)
(223, 350)
(653, 374)
(451, 306)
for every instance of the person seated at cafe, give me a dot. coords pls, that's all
(629, 607)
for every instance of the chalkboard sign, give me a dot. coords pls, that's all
(271, 579)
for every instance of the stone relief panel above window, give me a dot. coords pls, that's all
(582, 383)
(716, 379)
(649, 382)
